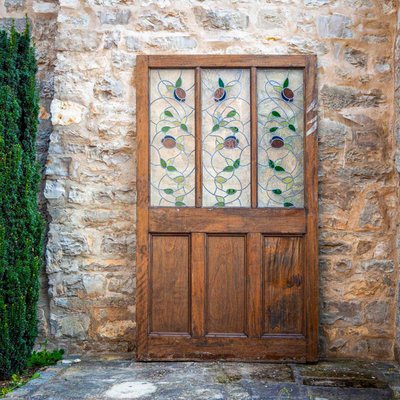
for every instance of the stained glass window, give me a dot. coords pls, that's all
(280, 130)
(225, 104)
(172, 142)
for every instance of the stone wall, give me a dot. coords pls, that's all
(90, 173)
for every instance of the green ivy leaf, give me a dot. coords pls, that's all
(171, 168)
(234, 129)
(178, 82)
(273, 129)
(286, 83)
(271, 164)
(231, 191)
(277, 191)
(168, 113)
(215, 127)
(279, 168)
(165, 128)
(231, 114)
(221, 83)
(236, 164)
(179, 203)
(275, 114)
(287, 204)
(184, 127)
(228, 168)
(168, 191)
(163, 163)
(179, 179)
(292, 128)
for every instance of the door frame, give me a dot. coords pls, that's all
(309, 65)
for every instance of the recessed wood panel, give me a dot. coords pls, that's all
(169, 284)
(225, 285)
(283, 285)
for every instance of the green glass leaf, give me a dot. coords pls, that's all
(180, 146)
(271, 164)
(179, 203)
(275, 114)
(220, 146)
(171, 168)
(231, 191)
(179, 198)
(273, 129)
(279, 168)
(170, 87)
(184, 127)
(236, 164)
(215, 127)
(292, 128)
(288, 179)
(165, 128)
(220, 204)
(178, 82)
(168, 113)
(163, 163)
(168, 191)
(220, 199)
(228, 168)
(231, 114)
(286, 83)
(277, 191)
(287, 204)
(220, 179)
(221, 83)
(278, 88)
(234, 129)
(179, 179)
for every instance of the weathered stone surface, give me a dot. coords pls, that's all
(66, 112)
(14, 5)
(334, 26)
(73, 326)
(223, 19)
(114, 17)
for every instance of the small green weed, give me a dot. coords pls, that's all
(43, 358)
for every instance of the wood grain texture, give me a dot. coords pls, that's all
(169, 284)
(311, 204)
(283, 285)
(232, 220)
(225, 285)
(254, 285)
(231, 61)
(253, 141)
(198, 244)
(142, 251)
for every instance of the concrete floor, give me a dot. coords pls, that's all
(108, 378)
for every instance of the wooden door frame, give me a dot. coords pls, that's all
(305, 62)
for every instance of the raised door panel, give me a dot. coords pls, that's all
(225, 285)
(169, 285)
(283, 285)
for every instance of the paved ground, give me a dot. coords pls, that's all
(124, 379)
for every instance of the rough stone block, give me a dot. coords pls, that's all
(334, 26)
(14, 5)
(221, 19)
(73, 244)
(114, 17)
(66, 112)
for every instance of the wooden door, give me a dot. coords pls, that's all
(227, 208)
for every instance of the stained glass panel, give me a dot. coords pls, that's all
(280, 133)
(172, 143)
(225, 103)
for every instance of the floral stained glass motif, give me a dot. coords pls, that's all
(172, 142)
(280, 133)
(225, 103)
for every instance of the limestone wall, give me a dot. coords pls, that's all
(90, 173)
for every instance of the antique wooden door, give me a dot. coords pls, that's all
(227, 208)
